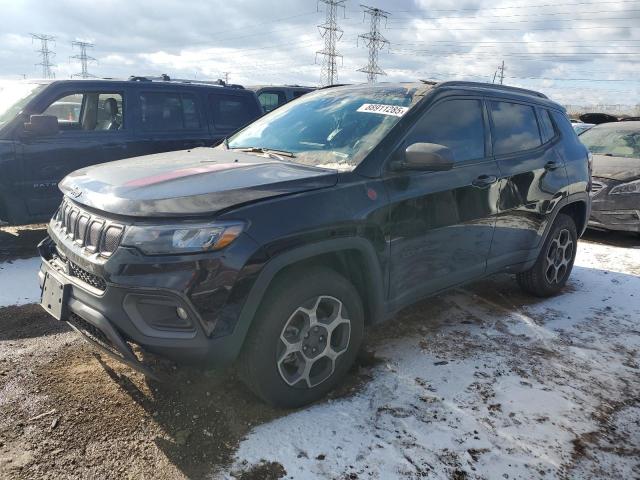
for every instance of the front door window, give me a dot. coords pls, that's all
(88, 112)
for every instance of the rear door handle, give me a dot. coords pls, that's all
(484, 181)
(551, 165)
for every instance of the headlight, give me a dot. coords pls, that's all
(631, 187)
(173, 239)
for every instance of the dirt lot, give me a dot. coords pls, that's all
(483, 382)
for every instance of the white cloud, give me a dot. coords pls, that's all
(275, 42)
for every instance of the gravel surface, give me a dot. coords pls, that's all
(549, 388)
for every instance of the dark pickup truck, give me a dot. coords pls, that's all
(49, 129)
(333, 212)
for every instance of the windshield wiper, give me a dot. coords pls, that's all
(268, 151)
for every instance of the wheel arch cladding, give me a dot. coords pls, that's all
(352, 264)
(578, 212)
(352, 257)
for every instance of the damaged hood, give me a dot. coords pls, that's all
(190, 182)
(616, 168)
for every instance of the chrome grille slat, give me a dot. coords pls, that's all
(596, 188)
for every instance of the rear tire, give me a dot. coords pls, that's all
(305, 336)
(555, 261)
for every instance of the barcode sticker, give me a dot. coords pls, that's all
(393, 110)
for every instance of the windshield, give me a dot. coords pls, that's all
(616, 141)
(332, 128)
(13, 98)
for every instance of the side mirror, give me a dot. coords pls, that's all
(42, 125)
(427, 157)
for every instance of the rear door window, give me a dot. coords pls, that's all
(515, 127)
(546, 125)
(167, 111)
(230, 112)
(457, 124)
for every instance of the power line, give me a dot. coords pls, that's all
(331, 34)
(539, 55)
(375, 41)
(516, 6)
(550, 29)
(46, 55)
(83, 57)
(534, 20)
(481, 17)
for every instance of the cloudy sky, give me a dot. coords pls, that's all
(576, 51)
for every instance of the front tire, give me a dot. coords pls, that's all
(304, 338)
(555, 261)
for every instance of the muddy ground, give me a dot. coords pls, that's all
(67, 413)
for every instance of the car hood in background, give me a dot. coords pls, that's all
(189, 182)
(616, 168)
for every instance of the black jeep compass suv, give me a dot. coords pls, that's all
(276, 248)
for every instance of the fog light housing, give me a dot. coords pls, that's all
(160, 316)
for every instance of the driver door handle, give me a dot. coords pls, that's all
(484, 181)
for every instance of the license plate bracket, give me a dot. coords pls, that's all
(54, 296)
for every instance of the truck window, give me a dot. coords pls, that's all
(167, 111)
(230, 112)
(270, 100)
(88, 111)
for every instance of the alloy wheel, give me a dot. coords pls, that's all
(311, 341)
(559, 257)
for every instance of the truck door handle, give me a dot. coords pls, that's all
(551, 166)
(484, 181)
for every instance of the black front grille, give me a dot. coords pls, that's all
(94, 233)
(87, 277)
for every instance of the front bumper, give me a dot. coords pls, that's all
(132, 299)
(613, 212)
(618, 220)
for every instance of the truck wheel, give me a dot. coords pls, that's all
(304, 338)
(552, 268)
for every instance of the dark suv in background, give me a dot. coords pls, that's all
(49, 129)
(277, 247)
(274, 96)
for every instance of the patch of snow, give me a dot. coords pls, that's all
(19, 282)
(486, 382)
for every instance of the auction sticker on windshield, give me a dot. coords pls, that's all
(393, 110)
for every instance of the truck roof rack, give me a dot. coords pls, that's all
(165, 78)
(506, 88)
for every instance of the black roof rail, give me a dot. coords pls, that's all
(334, 85)
(134, 78)
(165, 78)
(495, 86)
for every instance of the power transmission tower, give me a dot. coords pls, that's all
(226, 76)
(500, 69)
(46, 55)
(331, 34)
(83, 57)
(374, 41)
